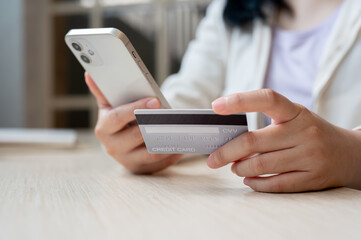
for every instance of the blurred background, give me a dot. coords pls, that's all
(42, 84)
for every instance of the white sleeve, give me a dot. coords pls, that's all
(357, 128)
(202, 73)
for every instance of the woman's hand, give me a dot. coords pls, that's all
(123, 141)
(304, 151)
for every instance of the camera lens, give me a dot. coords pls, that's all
(76, 46)
(85, 58)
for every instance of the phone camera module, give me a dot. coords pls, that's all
(85, 58)
(76, 46)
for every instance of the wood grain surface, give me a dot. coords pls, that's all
(81, 193)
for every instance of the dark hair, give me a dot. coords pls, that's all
(242, 12)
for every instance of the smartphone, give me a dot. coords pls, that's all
(113, 63)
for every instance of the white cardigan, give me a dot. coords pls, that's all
(222, 61)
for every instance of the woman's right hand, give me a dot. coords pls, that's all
(123, 141)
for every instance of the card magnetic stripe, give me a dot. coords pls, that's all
(191, 119)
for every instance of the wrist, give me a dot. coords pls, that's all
(354, 180)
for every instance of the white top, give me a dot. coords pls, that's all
(295, 60)
(222, 61)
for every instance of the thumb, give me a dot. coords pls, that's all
(271, 103)
(102, 101)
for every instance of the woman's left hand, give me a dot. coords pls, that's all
(304, 151)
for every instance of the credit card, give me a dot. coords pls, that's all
(192, 131)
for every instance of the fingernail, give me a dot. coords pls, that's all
(219, 105)
(210, 161)
(232, 169)
(246, 181)
(153, 103)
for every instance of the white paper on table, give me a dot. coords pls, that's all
(38, 136)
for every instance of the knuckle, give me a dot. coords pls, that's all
(270, 95)
(235, 102)
(146, 156)
(153, 158)
(319, 179)
(276, 185)
(114, 116)
(303, 116)
(137, 134)
(303, 109)
(313, 132)
(238, 100)
(133, 106)
(323, 181)
(257, 165)
(249, 142)
(98, 131)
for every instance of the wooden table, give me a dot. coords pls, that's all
(83, 194)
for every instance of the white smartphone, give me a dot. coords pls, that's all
(113, 63)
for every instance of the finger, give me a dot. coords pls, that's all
(270, 163)
(140, 160)
(271, 138)
(141, 156)
(124, 141)
(282, 183)
(101, 100)
(274, 105)
(116, 119)
(158, 166)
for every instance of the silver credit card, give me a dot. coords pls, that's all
(188, 131)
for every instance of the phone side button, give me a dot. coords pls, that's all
(141, 67)
(148, 78)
